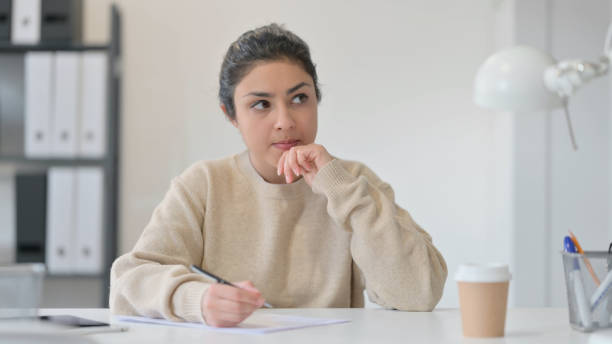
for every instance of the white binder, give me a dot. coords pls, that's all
(66, 105)
(60, 246)
(89, 220)
(38, 104)
(25, 24)
(92, 133)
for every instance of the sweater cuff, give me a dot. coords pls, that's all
(329, 179)
(187, 301)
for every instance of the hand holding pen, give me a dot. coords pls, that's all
(227, 304)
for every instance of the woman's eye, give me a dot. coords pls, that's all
(260, 105)
(299, 99)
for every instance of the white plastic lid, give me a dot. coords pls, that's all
(494, 272)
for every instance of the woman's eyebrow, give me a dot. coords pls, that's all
(269, 95)
(259, 94)
(296, 87)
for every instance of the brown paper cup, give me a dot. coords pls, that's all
(483, 308)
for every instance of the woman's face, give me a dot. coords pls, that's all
(276, 109)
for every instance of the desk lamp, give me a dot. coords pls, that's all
(522, 78)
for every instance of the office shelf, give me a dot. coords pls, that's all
(109, 163)
(75, 275)
(23, 48)
(20, 160)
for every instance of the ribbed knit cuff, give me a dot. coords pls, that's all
(329, 179)
(187, 301)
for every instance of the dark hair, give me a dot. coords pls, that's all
(267, 43)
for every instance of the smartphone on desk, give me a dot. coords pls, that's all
(74, 324)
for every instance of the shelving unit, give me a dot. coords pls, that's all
(109, 163)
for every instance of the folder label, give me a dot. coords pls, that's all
(25, 26)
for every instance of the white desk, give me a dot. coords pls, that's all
(536, 325)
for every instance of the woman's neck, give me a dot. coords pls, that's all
(267, 172)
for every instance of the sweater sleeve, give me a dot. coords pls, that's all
(153, 279)
(400, 265)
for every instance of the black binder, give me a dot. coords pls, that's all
(5, 20)
(12, 105)
(60, 21)
(31, 208)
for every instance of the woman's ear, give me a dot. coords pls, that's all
(234, 122)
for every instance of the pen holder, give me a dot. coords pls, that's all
(589, 304)
(20, 290)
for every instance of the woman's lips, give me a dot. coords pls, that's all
(285, 145)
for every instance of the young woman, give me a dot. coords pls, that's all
(299, 226)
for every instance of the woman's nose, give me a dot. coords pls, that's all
(284, 119)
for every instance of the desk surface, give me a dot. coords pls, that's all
(523, 325)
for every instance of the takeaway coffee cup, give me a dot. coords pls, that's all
(483, 298)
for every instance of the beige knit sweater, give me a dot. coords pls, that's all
(300, 246)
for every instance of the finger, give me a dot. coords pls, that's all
(312, 160)
(295, 165)
(311, 165)
(302, 159)
(222, 313)
(233, 319)
(287, 169)
(292, 162)
(231, 307)
(281, 164)
(299, 158)
(248, 285)
(236, 294)
(230, 319)
(243, 295)
(228, 313)
(220, 323)
(321, 156)
(220, 319)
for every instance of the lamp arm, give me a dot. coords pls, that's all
(607, 42)
(567, 76)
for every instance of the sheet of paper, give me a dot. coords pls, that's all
(256, 323)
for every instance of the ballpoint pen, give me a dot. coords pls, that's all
(218, 279)
(575, 278)
(587, 263)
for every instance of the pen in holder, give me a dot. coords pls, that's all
(608, 269)
(589, 305)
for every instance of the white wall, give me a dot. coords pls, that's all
(397, 81)
(555, 189)
(530, 170)
(579, 190)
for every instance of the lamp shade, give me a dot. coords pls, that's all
(513, 80)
